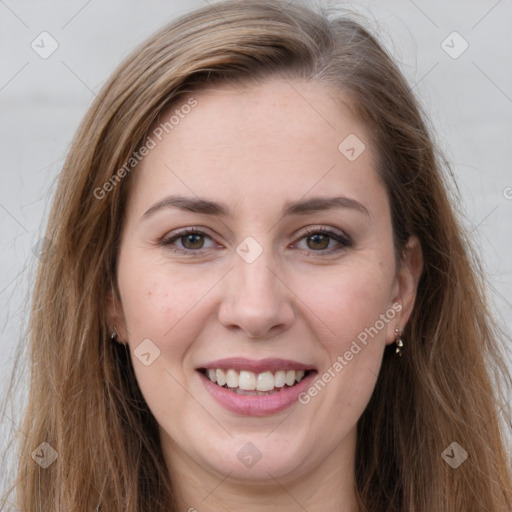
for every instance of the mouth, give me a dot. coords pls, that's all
(256, 388)
(248, 383)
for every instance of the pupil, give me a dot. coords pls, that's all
(318, 242)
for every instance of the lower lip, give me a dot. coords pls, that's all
(262, 405)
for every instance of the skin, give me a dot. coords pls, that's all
(255, 149)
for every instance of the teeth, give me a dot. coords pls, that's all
(247, 380)
(290, 377)
(280, 379)
(232, 379)
(265, 381)
(221, 377)
(250, 381)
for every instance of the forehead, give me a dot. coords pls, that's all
(279, 139)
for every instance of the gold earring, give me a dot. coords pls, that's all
(115, 334)
(399, 341)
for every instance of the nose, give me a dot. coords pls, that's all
(256, 300)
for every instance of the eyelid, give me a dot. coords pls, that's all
(334, 232)
(177, 233)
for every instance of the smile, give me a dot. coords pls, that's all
(256, 388)
(250, 383)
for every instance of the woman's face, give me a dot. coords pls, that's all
(257, 252)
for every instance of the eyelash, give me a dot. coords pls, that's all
(343, 240)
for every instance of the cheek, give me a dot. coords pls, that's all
(157, 298)
(347, 300)
(166, 308)
(351, 310)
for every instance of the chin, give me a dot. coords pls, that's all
(257, 459)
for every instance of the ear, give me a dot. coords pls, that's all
(406, 284)
(115, 316)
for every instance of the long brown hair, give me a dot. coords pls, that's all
(84, 400)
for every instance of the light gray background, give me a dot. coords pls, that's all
(469, 100)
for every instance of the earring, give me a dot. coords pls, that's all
(115, 334)
(399, 341)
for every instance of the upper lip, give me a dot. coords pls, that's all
(256, 366)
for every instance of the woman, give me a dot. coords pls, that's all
(257, 295)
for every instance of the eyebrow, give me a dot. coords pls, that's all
(300, 207)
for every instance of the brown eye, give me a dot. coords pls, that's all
(318, 242)
(192, 241)
(188, 240)
(323, 241)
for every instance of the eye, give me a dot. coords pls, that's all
(186, 240)
(320, 240)
(323, 240)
